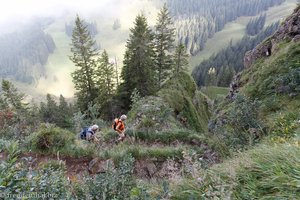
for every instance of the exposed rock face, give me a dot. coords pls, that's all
(289, 31)
(145, 168)
(97, 166)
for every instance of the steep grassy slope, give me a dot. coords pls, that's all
(263, 108)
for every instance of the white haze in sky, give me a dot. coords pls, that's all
(15, 13)
(24, 9)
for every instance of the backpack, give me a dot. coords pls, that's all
(83, 133)
(114, 126)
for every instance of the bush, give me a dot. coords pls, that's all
(270, 104)
(151, 114)
(238, 125)
(285, 127)
(18, 181)
(114, 184)
(50, 139)
(243, 114)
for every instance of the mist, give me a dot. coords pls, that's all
(22, 11)
(17, 13)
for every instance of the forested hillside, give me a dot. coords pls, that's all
(228, 61)
(256, 25)
(198, 20)
(24, 53)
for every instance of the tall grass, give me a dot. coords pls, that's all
(159, 153)
(273, 174)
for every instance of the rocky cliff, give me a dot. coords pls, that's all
(288, 31)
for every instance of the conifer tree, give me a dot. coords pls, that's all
(83, 53)
(164, 39)
(49, 110)
(12, 98)
(64, 113)
(138, 65)
(105, 75)
(105, 82)
(180, 60)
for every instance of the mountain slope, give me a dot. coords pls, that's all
(265, 90)
(262, 108)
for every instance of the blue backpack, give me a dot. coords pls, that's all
(83, 133)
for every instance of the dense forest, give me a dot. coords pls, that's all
(255, 25)
(24, 53)
(219, 69)
(198, 20)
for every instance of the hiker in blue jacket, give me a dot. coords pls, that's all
(89, 133)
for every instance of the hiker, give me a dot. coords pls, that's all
(119, 126)
(89, 133)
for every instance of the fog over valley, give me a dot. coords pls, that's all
(56, 79)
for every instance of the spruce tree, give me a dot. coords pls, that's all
(138, 65)
(49, 111)
(11, 97)
(164, 39)
(83, 53)
(64, 114)
(180, 60)
(106, 83)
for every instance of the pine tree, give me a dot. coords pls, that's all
(138, 65)
(83, 49)
(105, 82)
(180, 60)
(164, 39)
(64, 114)
(49, 110)
(14, 112)
(105, 76)
(11, 97)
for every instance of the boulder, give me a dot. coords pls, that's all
(170, 169)
(145, 168)
(296, 38)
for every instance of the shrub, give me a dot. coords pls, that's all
(285, 127)
(244, 113)
(270, 104)
(151, 114)
(50, 139)
(114, 184)
(239, 124)
(4, 144)
(18, 181)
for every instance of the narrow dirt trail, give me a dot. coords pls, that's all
(74, 166)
